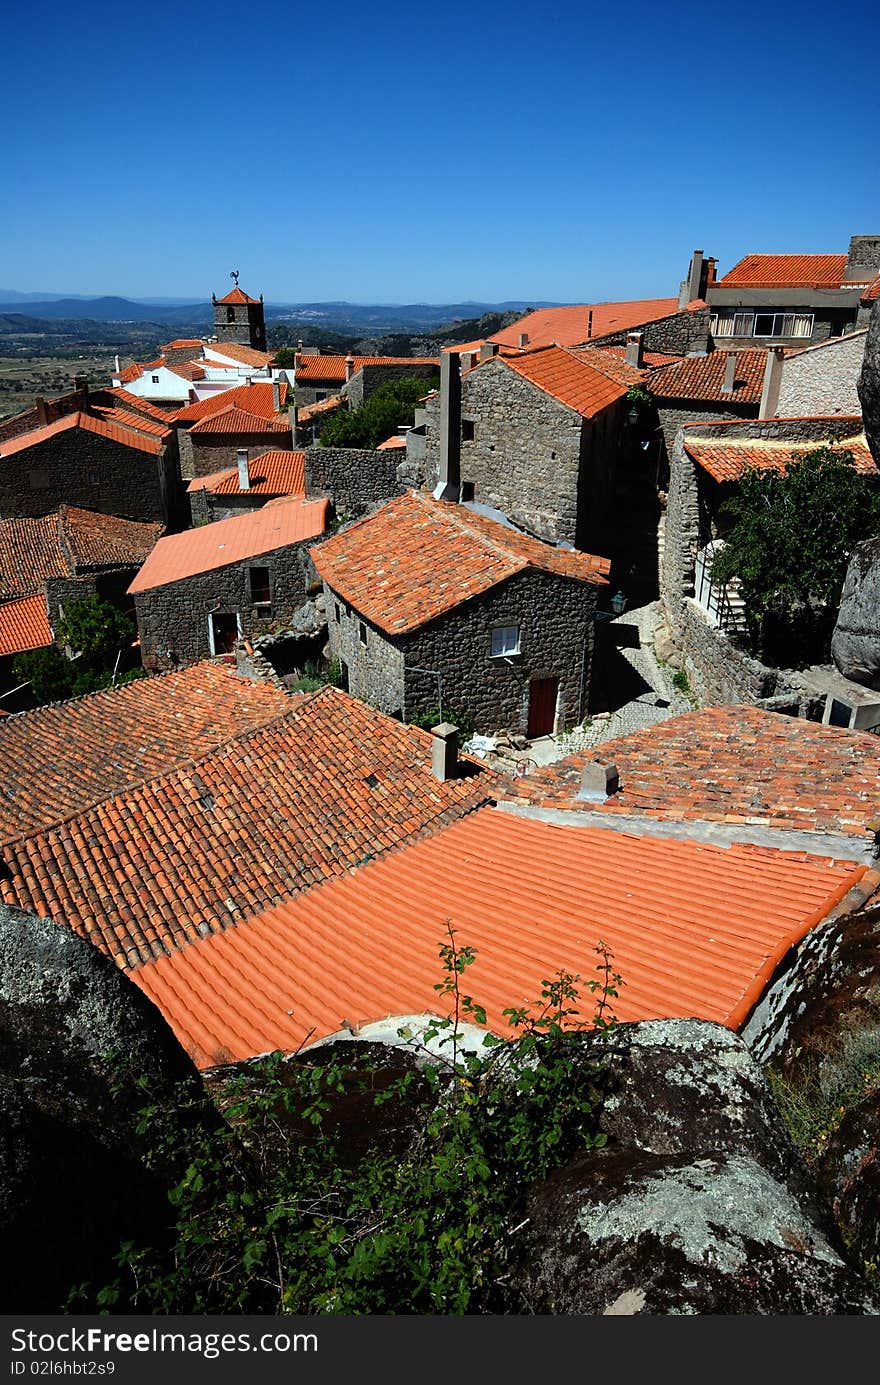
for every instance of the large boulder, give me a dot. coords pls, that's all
(699, 1203)
(869, 384)
(82, 1053)
(855, 643)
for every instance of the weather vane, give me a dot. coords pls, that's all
(234, 275)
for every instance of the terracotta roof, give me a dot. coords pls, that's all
(230, 541)
(701, 377)
(88, 424)
(786, 271)
(181, 343)
(137, 368)
(238, 295)
(237, 351)
(272, 473)
(57, 760)
(23, 625)
(67, 542)
(233, 419)
(733, 764)
(416, 558)
(570, 326)
(253, 399)
(727, 460)
(872, 292)
(696, 931)
(186, 370)
(392, 444)
(566, 376)
(270, 812)
(126, 419)
(322, 406)
(333, 367)
(611, 361)
(136, 404)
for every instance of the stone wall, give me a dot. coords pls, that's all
(37, 416)
(555, 616)
(367, 380)
(680, 334)
(111, 586)
(718, 671)
(173, 619)
(681, 537)
(824, 380)
(206, 507)
(818, 429)
(240, 322)
(84, 469)
(355, 478)
(210, 452)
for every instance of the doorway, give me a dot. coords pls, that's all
(223, 631)
(542, 706)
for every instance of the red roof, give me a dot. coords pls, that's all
(732, 764)
(696, 931)
(136, 404)
(238, 295)
(239, 352)
(611, 361)
(57, 760)
(266, 814)
(702, 377)
(872, 292)
(726, 460)
(272, 473)
(126, 419)
(333, 367)
(69, 542)
(786, 271)
(566, 376)
(230, 541)
(233, 419)
(182, 343)
(392, 444)
(88, 424)
(23, 625)
(321, 406)
(416, 558)
(571, 326)
(253, 399)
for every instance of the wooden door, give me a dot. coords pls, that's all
(542, 706)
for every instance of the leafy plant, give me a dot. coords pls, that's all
(379, 417)
(433, 716)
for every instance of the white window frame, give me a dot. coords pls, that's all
(501, 637)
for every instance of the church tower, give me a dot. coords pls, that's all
(239, 318)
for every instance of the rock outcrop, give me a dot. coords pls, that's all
(699, 1204)
(82, 1051)
(855, 643)
(869, 384)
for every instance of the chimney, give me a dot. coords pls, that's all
(695, 276)
(444, 751)
(349, 368)
(468, 359)
(635, 345)
(116, 364)
(598, 781)
(449, 481)
(249, 379)
(40, 406)
(772, 381)
(729, 373)
(523, 340)
(589, 324)
(244, 476)
(711, 265)
(276, 395)
(488, 349)
(81, 385)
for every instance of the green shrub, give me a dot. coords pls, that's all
(390, 406)
(433, 716)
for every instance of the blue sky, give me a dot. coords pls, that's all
(390, 152)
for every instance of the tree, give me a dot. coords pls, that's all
(50, 675)
(97, 633)
(390, 406)
(791, 537)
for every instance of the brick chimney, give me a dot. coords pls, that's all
(523, 340)
(276, 395)
(488, 349)
(40, 406)
(772, 381)
(449, 480)
(635, 346)
(244, 476)
(349, 368)
(444, 750)
(81, 385)
(729, 380)
(598, 781)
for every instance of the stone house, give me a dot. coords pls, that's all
(432, 603)
(317, 377)
(267, 399)
(665, 324)
(200, 591)
(247, 486)
(214, 442)
(708, 388)
(820, 379)
(240, 319)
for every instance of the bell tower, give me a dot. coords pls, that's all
(239, 318)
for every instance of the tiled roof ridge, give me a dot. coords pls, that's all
(475, 531)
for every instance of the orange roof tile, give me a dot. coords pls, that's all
(571, 326)
(136, 404)
(57, 760)
(230, 541)
(392, 444)
(727, 460)
(181, 343)
(254, 399)
(332, 368)
(321, 788)
(124, 436)
(566, 376)
(272, 473)
(238, 352)
(872, 292)
(416, 558)
(734, 764)
(137, 368)
(701, 377)
(786, 271)
(126, 419)
(611, 361)
(696, 931)
(233, 419)
(238, 295)
(322, 406)
(69, 542)
(187, 370)
(23, 625)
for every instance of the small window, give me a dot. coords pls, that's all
(230, 314)
(467, 430)
(362, 632)
(338, 613)
(505, 641)
(467, 491)
(155, 379)
(261, 589)
(94, 478)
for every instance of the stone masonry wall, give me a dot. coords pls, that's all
(219, 452)
(822, 381)
(555, 616)
(679, 334)
(355, 478)
(173, 619)
(84, 469)
(678, 414)
(367, 380)
(717, 670)
(681, 533)
(205, 507)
